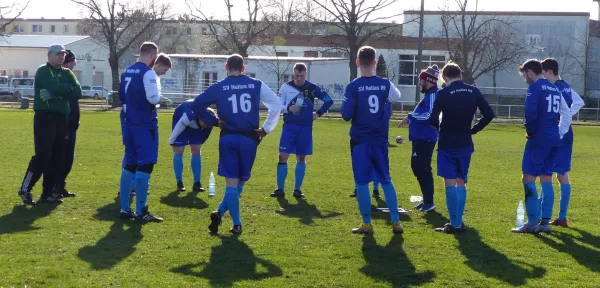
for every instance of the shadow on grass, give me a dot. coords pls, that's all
(583, 255)
(22, 217)
(115, 246)
(230, 262)
(491, 263)
(435, 219)
(390, 263)
(185, 200)
(376, 214)
(306, 212)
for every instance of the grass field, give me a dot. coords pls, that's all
(287, 243)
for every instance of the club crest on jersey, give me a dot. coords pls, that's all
(306, 92)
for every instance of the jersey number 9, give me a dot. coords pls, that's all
(373, 103)
(245, 104)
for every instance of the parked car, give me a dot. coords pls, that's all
(22, 87)
(95, 92)
(4, 87)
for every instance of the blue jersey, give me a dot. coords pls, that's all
(139, 84)
(303, 96)
(542, 114)
(237, 99)
(367, 103)
(186, 127)
(458, 103)
(418, 125)
(574, 101)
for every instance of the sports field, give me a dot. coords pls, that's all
(288, 243)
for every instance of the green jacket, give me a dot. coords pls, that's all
(61, 84)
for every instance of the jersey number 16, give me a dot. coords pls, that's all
(245, 104)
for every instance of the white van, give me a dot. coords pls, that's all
(4, 88)
(22, 87)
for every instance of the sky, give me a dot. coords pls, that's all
(67, 9)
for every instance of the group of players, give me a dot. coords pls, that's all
(549, 108)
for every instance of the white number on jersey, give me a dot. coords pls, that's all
(374, 104)
(245, 104)
(127, 80)
(553, 103)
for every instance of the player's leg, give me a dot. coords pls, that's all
(352, 145)
(547, 189)
(55, 166)
(362, 169)
(299, 173)
(381, 169)
(422, 152)
(562, 168)
(178, 151)
(146, 144)
(461, 188)
(530, 167)
(448, 169)
(287, 146)
(196, 164)
(246, 154)
(304, 147)
(127, 177)
(41, 133)
(69, 156)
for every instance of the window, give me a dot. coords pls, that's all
(171, 31)
(66, 28)
(314, 54)
(209, 78)
(3, 80)
(409, 72)
(3, 73)
(189, 30)
(204, 31)
(18, 28)
(281, 54)
(36, 29)
(52, 28)
(333, 54)
(21, 73)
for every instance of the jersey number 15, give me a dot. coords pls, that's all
(244, 103)
(553, 103)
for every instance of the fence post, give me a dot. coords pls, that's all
(509, 111)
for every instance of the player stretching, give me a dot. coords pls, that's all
(458, 103)
(366, 104)
(237, 98)
(298, 98)
(189, 129)
(542, 107)
(142, 92)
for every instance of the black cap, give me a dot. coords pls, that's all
(70, 57)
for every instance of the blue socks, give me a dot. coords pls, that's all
(461, 199)
(364, 202)
(223, 207)
(196, 167)
(375, 185)
(282, 170)
(300, 172)
(141, 190)
(531, 202)
(178, 167)
(565, 197)
(389, 192)
(452, 204)
(241, 187)
(232, 198)
(125, 188)
(547, 201)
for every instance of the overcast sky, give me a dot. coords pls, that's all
(67, 9)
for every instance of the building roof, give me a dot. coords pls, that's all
(38, 41)
(199, 56)
(46, 20)
(502, 13)
(391, 42)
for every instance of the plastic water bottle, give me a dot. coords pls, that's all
(299, 102)
(415, 199)
(520, 214)
(211, 185)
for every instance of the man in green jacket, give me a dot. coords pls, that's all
(54, 86)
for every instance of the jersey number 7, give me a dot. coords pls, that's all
(127, 80)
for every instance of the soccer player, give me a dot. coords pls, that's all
(366, 104)
(141, 88)
(543, 104)
(563, 155)
(189, 129)
(298, 98)
(457, 103)
(423, 136)
(237, 99)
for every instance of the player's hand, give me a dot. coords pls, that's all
(45, 95)
(202, 124)
(529, 136)
(220, 123)
(404, 122)
(294, 108)
(261, 133)
(315, 116)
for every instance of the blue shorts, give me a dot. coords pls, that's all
(370, 163)
(236, 156)
(454, 163)
(563, 159)
(191, 136)
(296, 139)
(141, 146)
(539, 162)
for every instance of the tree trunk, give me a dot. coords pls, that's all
(113, 61)
(495, 93)
(243, 50)
(352, 63)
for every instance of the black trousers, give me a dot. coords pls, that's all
(422, 152)
(50, 139)
(69, 156)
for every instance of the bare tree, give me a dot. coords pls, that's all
(236, 36)
(279, 67)
(10, 13)
(171, 36)
(119, 24)
(355, 22)
(470, 36)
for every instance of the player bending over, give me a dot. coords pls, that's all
(237, 98)
(365, 103)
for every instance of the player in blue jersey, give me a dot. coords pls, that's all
(237, 99)
(366, 104)
(457, 102)
(189, 129)
(423, 136)
(563, 155)
(141, 89)
(543, 106)
(298, 98)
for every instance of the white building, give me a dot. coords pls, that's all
(21, 55)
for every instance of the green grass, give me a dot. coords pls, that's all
(287, 243)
